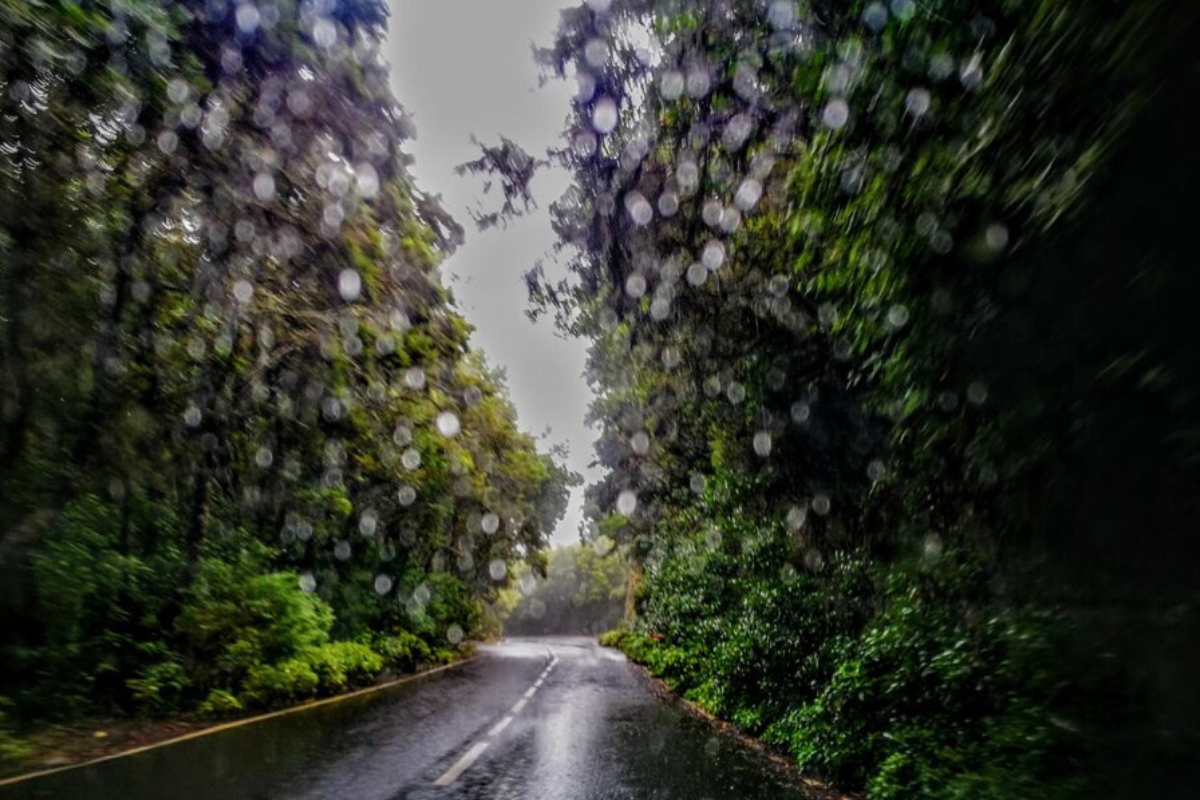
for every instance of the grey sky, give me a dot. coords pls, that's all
(464, 67)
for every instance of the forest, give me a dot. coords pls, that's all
(890, 309)
(248, 456)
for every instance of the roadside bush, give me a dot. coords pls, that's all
(160, 686)
(236, 618)
(934, 695)
(12, 749)
(343, 665)
(286, 682)
(402, 652)
(613, 638)
(97, 604)
(220, 703)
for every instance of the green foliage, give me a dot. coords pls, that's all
(12, 749)
(226, 350)
(343, 665)
(281, 683)
(161, 686)
(220, 703)
(614, 638)
(236, 619)
(402, 652)
(856, 336)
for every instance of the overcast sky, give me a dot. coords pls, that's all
(464, 67)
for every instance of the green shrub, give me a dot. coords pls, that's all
(343, 665)
(12, 749)
(236, 618)
(286, 682)
(934, 695)
(220, 703)
(159, 687)
(613, 638)
(402, 652)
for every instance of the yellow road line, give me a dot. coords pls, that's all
(28, 776)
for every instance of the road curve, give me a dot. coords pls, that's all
(546, 718)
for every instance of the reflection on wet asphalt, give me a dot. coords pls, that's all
(591, 728)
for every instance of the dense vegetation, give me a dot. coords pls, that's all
(583, 591)
(247, 455)
(890, 306)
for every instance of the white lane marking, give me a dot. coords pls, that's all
(461, 765)
(469, 758)
(501, 725)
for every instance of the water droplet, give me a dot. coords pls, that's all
(341, 550)
(243, 291)
(697, 274)
(996, 237)
(875, 17)
(635, 286)
(627, 502)
(595, 52)
(264, 186)
(668, 204)
(801, 412)
(671, 84)
(904, 10)
(640, 442)
(712, 212)
(324, 32)
(383, 584)
(366, 178)
(836, 114)
(748, 194)
(737, 131)
(977, 393)
(414, 378)
(698, 82)
(782, 14)
(897, 317)
(971, 73)
(687, 175)
(796, 517)
(713, 255)
(264, 457)
(454, 634)
(308, 583)
(247, 17)
(490, 522)
(821, 504)
(406, 495)
(735, 392)
(876, 470)
(411, 459)
(349, 285)
(698, 483)
(448, 424)
(497, 569)
(639, 209)
(192, 416)
(917, 102)
(933, 547)
(605, 115)
(368, 522)
(762, 444)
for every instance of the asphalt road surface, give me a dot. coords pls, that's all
(528, 718)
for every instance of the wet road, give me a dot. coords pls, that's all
(532, 718)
